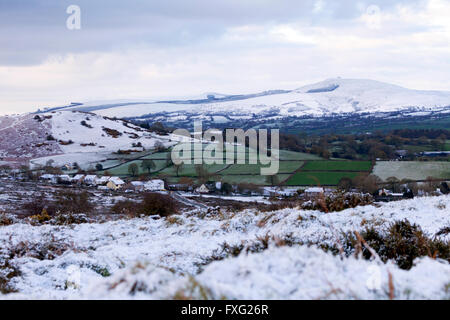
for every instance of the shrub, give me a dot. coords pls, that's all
(112, 132)
(85, 124)
(338, 202)
(125, 207)
(7, 272)
(5, 220)
(402, 243)
(73, 202)
(156, 203)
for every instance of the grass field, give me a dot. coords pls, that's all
(284, 167)
(414, 170)
(290, 162)
(292, 155)
(447, 146)
(123, 169)
(188, 170)
(337, 166)
(254, 179)
(321, 178)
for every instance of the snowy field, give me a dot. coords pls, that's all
(183, 256)
(413, 170)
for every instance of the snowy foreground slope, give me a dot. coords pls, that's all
(332, 96)
(148, 258)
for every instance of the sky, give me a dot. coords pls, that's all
(138, 49)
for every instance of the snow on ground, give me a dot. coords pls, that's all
(164, 258)
(67, 126)
(330, 96)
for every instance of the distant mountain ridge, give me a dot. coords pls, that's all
(333, 96)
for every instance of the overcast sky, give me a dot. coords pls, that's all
(138, 49)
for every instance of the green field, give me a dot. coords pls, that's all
(123, 169)
(292, 155)
(447, 146)
(322, 178)
(188, 170)
(254, 179)
(294, 167)
(337, 166)
(284, 167)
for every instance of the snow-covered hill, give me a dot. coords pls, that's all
(70, 136)
(332, 96)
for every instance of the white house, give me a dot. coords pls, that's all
(112, 185)
(90, 179)
(64, 178)
(202, 189)
(154, 185)
(102, 180)
(137, 185)
(77, 178)
(117, 180)
(314, 190)
(49, 178)
(115, 183)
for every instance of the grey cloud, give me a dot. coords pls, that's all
(32, 30)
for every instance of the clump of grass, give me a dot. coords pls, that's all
(7, 273)
(45, 250)
(174, 220)
(402, 242)
(68, 219)
(5, 220)
(193, 291)
(444, 231)
(41, 218)
(260, 244)
(338, 202)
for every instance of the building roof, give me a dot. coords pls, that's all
(314, 190)
(116, 180)
(78, 177)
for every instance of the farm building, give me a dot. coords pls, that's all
(314, 191)
(49, 178)
(102, 180)
(202, 189)
(90, 179)
(77, 178)
(154, 185)
(111, 185)
(64, 178)
(115, 183)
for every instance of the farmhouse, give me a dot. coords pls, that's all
(111, 185)
(202, 189)
(102, 180)
(90, 179)
(77, 178)
(115, 183)
(64, 178)
(49, 178)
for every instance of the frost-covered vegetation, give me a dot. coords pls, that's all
(379, 251)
